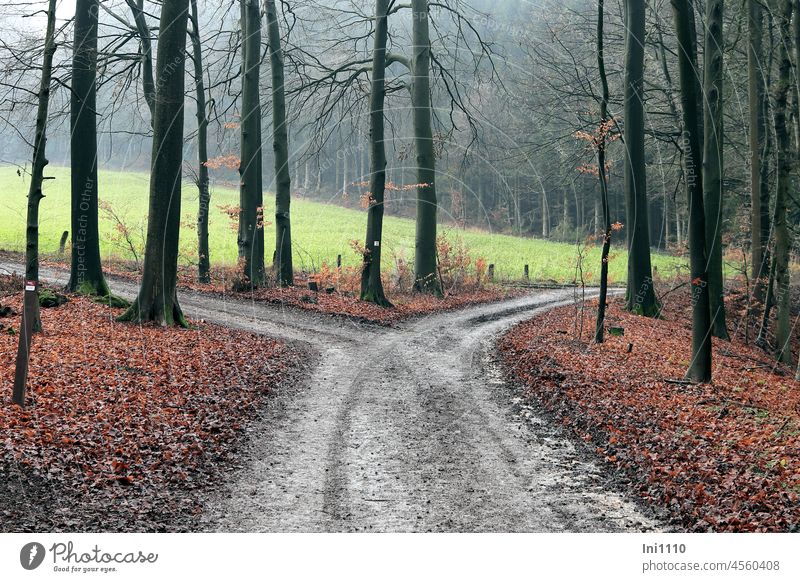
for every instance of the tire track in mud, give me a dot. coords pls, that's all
(409, 428)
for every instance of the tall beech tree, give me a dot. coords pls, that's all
(782, 12)
(601, 172)
(204, 193)
(700, 365)
(146, 54)
(641, 296)
(795, 115)
(426, 277)
(713, 162)
(284, 273)
(371, 284)
(759, 196)
(251, 194)
(333, 83)
(157, 300)
(86, 273)
(40, 160)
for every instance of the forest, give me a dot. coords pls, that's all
(383, 205)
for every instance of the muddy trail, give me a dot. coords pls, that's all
(405, 428)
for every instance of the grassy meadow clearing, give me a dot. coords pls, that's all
(320, 231)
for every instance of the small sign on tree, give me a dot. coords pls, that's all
(26, 333)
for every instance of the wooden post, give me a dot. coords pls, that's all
(63, 242)
(338, 261)
(491, 272)
(25, 336)
(525, 274)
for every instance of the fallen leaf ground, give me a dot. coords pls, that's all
(719, 457)
(342, 300)
(405, 305)
(125, 424)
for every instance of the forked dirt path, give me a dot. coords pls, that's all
(409, 428)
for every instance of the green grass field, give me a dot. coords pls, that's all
(320, 231)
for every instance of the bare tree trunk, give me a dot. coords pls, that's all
(362, 170)
(371, 284)
(344, 175)
(693, 29)
(601, 171)
(597, 220)
(251, 196)
(146, 67)
(284, 271)
(761, 339)
(713, 164)
(336, 175)
(767, 166)
(783, 12)
(545, 215)
(700, 366)
(86, 273)
(426, 277)
(796, 83)
(641, 297)
(40, 160)
(158, 298)
(203, 258)
(755, 84)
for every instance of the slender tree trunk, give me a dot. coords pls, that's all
(371, 284)
(641, 297)
(251, 196)
(597, 221)
(755, 85)
(361, 167)
(344, 175)
(601, 170)
(545, 215)
(86, 273)
(203, 258)
(336, 174)
(662, 59)
(761, 340)
(783, 12)
(700, 366)
(713, 163)
(158, 299)
(796, 83)
(146, 66)
(284, 271)
(40, 160)
(673, 109)
(426, 277)
(767, 165)
(693, 34)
